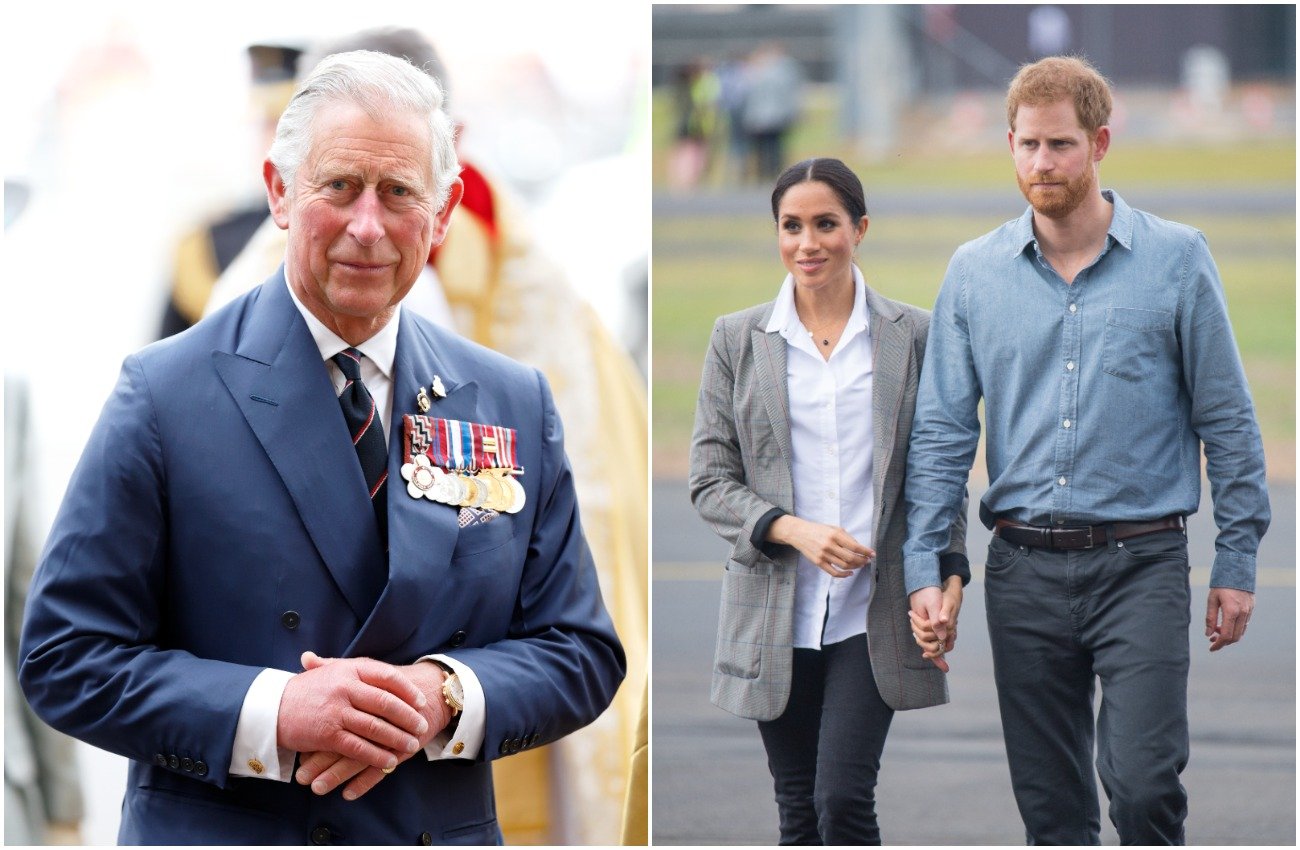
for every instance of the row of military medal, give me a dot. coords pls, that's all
(491, 489)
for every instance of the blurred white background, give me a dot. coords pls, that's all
(130, 123)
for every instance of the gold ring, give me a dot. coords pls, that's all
(387, 770)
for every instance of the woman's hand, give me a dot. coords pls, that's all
(923, 629)
(832, 549)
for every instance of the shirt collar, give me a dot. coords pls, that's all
(1121, 224)
(380, 348)
(785, 319)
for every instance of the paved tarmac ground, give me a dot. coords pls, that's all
(944, 777)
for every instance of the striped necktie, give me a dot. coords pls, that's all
(362, 416)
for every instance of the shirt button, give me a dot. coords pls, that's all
(1070, 365)
(1061, 481)
(1074, 309)
(1066, 423)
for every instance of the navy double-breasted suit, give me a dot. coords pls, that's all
(217, 524)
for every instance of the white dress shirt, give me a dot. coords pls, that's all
(832, 437)
(255, 751)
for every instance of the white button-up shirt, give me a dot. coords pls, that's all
(832, 436)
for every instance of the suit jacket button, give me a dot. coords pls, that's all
(426, 839)
(532, 740)
(173, 761)
(160, 759)
(187, 765)
(458, 638)
(321, 835)
(201, 768)
(290, 620)
(504, 749)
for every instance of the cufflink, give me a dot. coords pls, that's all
(256, 766)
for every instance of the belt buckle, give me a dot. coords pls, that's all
(1072, 538)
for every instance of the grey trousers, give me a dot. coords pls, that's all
(824, 750)
(1058, 622)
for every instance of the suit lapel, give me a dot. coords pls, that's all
(770, 376)
(421, 534)
(891, 350)
(278, 380)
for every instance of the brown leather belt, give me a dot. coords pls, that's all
(1081, 537)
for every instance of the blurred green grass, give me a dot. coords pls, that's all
(706, 266)
(1239, 163)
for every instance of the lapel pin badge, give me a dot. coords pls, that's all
(422, 401)
(439, 391)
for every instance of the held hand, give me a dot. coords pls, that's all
(1227, 611)
(325, 771)
(949, 610)
(832, 549)
(928, 613)
(357, 707)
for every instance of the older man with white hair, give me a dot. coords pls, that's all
(314, 528)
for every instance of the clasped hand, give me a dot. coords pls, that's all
(354, 718)
(934, 620)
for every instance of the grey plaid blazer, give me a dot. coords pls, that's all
(740, 469)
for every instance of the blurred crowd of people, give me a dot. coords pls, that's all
(733, 118)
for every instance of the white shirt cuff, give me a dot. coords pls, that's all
(255, 752)
(468, 738)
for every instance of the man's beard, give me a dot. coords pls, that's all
(1062, 200)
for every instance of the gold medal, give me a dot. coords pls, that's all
(468, 490)
(516, 492)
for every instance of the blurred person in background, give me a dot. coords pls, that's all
(43, 803)
(231, 516)
(696, 98)
(491, 281)
(205, 252)
(771, 110)
(797, 460)
(1098, 338)
(733, 86)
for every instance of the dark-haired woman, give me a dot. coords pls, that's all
(797, 459)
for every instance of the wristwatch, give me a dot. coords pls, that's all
(453, 693)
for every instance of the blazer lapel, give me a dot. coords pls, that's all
(278, 380)
(421, 534)
(891, 351)
(770, 377)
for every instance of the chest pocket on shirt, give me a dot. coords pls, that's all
(1134, 340)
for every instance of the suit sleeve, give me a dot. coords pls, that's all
(561, 662)
(717, 479)
(94, 662)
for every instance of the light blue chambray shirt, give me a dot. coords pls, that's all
(1097, 395)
